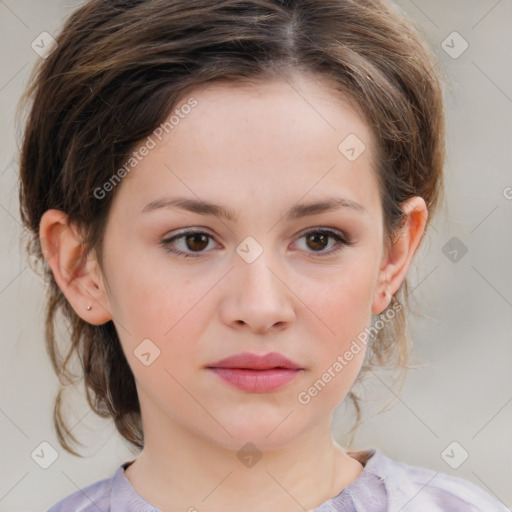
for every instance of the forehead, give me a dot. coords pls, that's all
(280, 110)
(254, 138)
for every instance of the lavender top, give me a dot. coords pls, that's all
(385, 485)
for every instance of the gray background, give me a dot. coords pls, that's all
(462, 392)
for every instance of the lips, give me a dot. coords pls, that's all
(256, 374)
(250, 361)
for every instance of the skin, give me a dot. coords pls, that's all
(257, 150)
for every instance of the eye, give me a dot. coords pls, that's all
(195, 241)
(317, 239)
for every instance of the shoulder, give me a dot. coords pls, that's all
(93, 497)
(424, 489)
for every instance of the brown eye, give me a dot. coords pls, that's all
(317, 241)
(191, 243)
(197, 241)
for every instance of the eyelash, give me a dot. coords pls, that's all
(340, 242)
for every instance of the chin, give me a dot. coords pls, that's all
(267, 432)
(249, 439)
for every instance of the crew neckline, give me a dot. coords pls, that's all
(123, 487)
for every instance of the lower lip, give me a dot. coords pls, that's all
(256, 381)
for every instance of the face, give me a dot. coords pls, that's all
(270, 277)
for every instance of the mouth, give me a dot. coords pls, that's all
(255, 373)
(257, 381)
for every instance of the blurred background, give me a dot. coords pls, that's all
(454, 413)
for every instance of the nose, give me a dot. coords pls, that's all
(257, 297)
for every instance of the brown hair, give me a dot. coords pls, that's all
(120, 68)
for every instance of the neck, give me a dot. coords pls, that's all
(180, 470)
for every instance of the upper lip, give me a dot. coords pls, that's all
(256, 362)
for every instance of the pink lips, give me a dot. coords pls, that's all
(256, 374)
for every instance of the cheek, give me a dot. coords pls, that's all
(164, 327)
(344, 306)
(150, 300)
(172, 312)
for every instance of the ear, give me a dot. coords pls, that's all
(398, 257)
(78, 275)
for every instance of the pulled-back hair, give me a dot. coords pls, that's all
(119, 69)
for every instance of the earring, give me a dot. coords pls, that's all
(89, 307)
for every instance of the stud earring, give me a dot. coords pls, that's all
(89, 307)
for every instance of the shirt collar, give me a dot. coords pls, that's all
(124, 497)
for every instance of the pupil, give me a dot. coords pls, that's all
(317, 236)
(195, 237)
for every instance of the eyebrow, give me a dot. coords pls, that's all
(295, 212)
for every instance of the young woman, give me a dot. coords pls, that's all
(225, 195)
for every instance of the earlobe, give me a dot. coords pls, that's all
(400, 253)
(76, 273)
